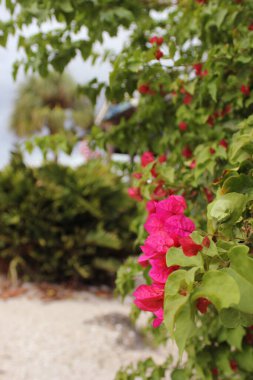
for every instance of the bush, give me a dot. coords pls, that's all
(59, 223)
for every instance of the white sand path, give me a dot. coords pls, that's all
(67, 340)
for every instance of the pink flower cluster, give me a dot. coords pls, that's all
(167, 227)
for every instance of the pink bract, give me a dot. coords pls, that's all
(159, 318)
(147, 158)
(149, 297)
(179, 225)
(159, 271)
(151, 207)
(173, 205)
(153, 224)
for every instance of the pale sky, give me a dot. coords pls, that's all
(81, 71)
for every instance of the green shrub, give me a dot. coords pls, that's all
(59, 223)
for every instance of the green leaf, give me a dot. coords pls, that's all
(179, 374)
(219, 288)
(228, 208)
(173, 300)
(245, 359)
(241, 183)
(212, 88)
(175, 256)
(184, 327)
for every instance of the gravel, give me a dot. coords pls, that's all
(82, 338)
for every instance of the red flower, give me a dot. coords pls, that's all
(249, 338)
(190, 248)
(202, 305)
(162, 158)
(215, 371)
(144, 88)
(206, 242)
(159, 54)
(198, 68)
(149, 297)
(159, 191)
(154, 172)
(226, 110)
(209, 195)
(147, 158)
(187, 98)
(193, 164)
(156, 40)
(223, 143)
(233, 365)
(201, 1)
(245, 89)
(135, 193)
(186, 152)
(210, 120)
(250, 27)
(137, 175)
(212, 151)
(182, 125)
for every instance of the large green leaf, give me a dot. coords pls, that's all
(184, 326)
(175, 256)
(227, 208)
(219, 288)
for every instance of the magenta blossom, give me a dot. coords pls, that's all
(149, 297)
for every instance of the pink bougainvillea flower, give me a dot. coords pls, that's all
(182, 126)
(149, 297)
(157, 243)
(135, 193)
(173, 205)
(179, 225)
(187, 99)
(159, 271)
(202, 305)
(147, 158)
(158, 54)
(159, 318)
(245, 90)
(201, 1)
(189, 247)
(186, 152)
(151, 207)
(212, 150)
(153, 224)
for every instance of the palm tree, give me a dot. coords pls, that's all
(53, 103)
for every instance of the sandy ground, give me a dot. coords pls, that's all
(82, 338)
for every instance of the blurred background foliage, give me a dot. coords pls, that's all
(63, 224)
(51, 104)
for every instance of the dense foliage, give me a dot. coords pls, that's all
(59, 223)
(192, 68)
